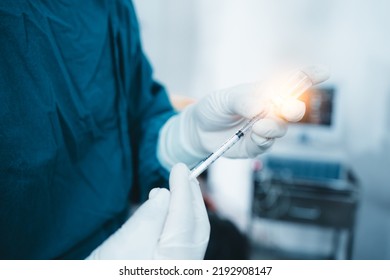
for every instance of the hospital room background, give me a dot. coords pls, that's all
(289, 203)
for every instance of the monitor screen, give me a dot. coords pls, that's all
(319, 106)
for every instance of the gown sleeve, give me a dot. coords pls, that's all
(149, 109)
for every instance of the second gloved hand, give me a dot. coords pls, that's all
(170, 225)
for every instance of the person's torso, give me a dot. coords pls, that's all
(65, 156)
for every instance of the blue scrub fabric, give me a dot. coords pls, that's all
(79, 120)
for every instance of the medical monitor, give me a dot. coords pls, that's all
(320, 125)
(319, 106)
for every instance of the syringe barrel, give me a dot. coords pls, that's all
(203, 165)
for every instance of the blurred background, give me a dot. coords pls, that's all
(323, 191)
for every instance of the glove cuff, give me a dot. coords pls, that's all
(179, 141)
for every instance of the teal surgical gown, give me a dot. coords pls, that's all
(79, 122)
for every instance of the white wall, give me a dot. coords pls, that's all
(169, 33)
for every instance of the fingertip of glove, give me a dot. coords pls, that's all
(317, 73)
(158, 193)
(180, 167)
(293, 110)
(153, 193)
(261, 142)
(179, 170)
(179, 176)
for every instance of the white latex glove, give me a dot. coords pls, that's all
(202, 127)
(169, 225)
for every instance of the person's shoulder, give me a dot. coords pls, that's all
(121, 8)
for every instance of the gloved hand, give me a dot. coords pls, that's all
(202, 127)
(169, 225)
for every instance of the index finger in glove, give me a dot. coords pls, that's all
(180, 220)
(202, 224)
(248, 100)
(186, 232)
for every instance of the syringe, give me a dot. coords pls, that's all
(297, 84)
